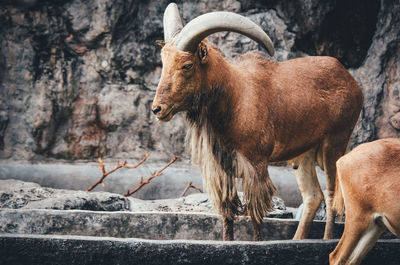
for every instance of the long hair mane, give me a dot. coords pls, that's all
(220, 164)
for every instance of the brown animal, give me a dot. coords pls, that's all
(369, 188)
(252, 111)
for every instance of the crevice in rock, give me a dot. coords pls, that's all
(345, 33)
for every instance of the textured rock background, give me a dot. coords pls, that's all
(77, 77)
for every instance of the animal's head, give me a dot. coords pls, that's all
(184, 55)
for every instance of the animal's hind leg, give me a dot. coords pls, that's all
(368, 239)
(351, 235)
(358, 238)
(332, 150)
(307, 180)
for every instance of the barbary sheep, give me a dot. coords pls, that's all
(368, 186)
(252, 111)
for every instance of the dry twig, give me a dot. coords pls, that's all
(190, 185)
(138, 164)
(147, 181)
(118, 166)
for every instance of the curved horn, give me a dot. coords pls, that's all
(172, 22)
(207, 24)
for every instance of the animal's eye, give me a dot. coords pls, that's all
(187, 67)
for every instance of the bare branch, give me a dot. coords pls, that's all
(118, 166)
(141, 161)
(103, 170)
(147, 181)
(190, 185)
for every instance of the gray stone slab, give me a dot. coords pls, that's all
(148, 225)
(28, 249)
(16, 194)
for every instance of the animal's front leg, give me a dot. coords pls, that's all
(258, 190)
(257, 235)
(227, 229)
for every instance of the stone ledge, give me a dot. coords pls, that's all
(34, 249)
(149, 225)
(16, 194)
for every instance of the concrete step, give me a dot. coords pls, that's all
(50, 249)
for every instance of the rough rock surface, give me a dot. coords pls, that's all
(379, 76)
(77, 77)
(15, 194)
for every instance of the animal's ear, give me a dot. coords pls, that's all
(203, 53)
(160, 43)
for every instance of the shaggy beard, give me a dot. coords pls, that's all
(221, 165)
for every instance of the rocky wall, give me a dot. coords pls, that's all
(77, 77)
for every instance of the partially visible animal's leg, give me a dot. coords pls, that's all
(311, 193)
(229, 210)
(368, 239)
(227, 229)
(332, 150)
(351, 235)
(359, 236)
(257, 236)
(258, 190)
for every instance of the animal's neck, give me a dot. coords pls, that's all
(215, 104)
(210, 119)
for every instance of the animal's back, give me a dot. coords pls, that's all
(299, 89)
(382, 155)
(310, 98)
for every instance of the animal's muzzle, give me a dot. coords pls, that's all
(156, 110)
